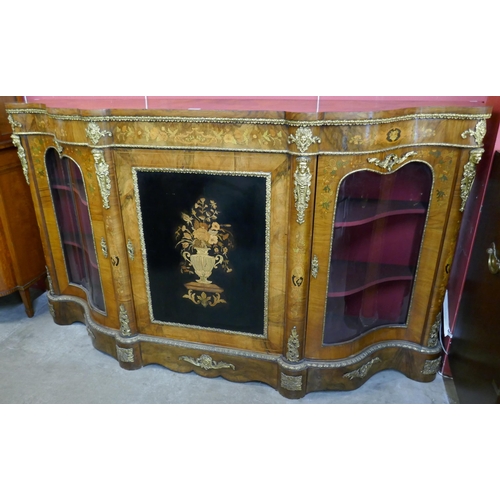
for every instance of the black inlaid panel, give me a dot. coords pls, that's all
(205, 241)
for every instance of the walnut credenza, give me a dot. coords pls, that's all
(305, 251)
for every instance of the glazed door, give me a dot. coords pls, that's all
(207, 243)
(374, 254)
(71, 207)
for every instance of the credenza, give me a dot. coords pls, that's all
(305, 251)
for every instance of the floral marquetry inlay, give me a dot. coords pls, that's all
(205, 244)
(201, 135)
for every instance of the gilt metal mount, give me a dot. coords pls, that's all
(302, 189)
(391, 160)
(207, 363)
(303, 139)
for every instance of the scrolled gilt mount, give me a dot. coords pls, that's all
(302, 189)
(391, 160)
(469, 175)
(94, 133)
(478, 133)
(207, 363)
(303, 139)
(292, 353)
(124, 322)
(22, 155)
(13, 123)
(102, 172)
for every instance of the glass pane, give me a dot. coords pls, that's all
(378, 230)
(73, 220)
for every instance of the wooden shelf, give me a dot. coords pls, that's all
(355, 212)
(60, 187)
(361, 275)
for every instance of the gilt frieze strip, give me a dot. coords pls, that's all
(250, 120)
(249, 150)
(303, 364)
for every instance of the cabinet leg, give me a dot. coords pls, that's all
(28, 305)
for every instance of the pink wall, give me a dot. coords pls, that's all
(307, 104)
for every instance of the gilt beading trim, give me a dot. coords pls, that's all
(256, 121)
(282, 362)
(252, 150)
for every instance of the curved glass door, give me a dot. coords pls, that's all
(378, 229)
(73, 220)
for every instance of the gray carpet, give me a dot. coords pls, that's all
(41, 362)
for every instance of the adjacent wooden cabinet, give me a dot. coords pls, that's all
(22, 263)
(305, 251)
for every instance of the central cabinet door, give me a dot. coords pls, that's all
(374, 255)
(207, 235)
